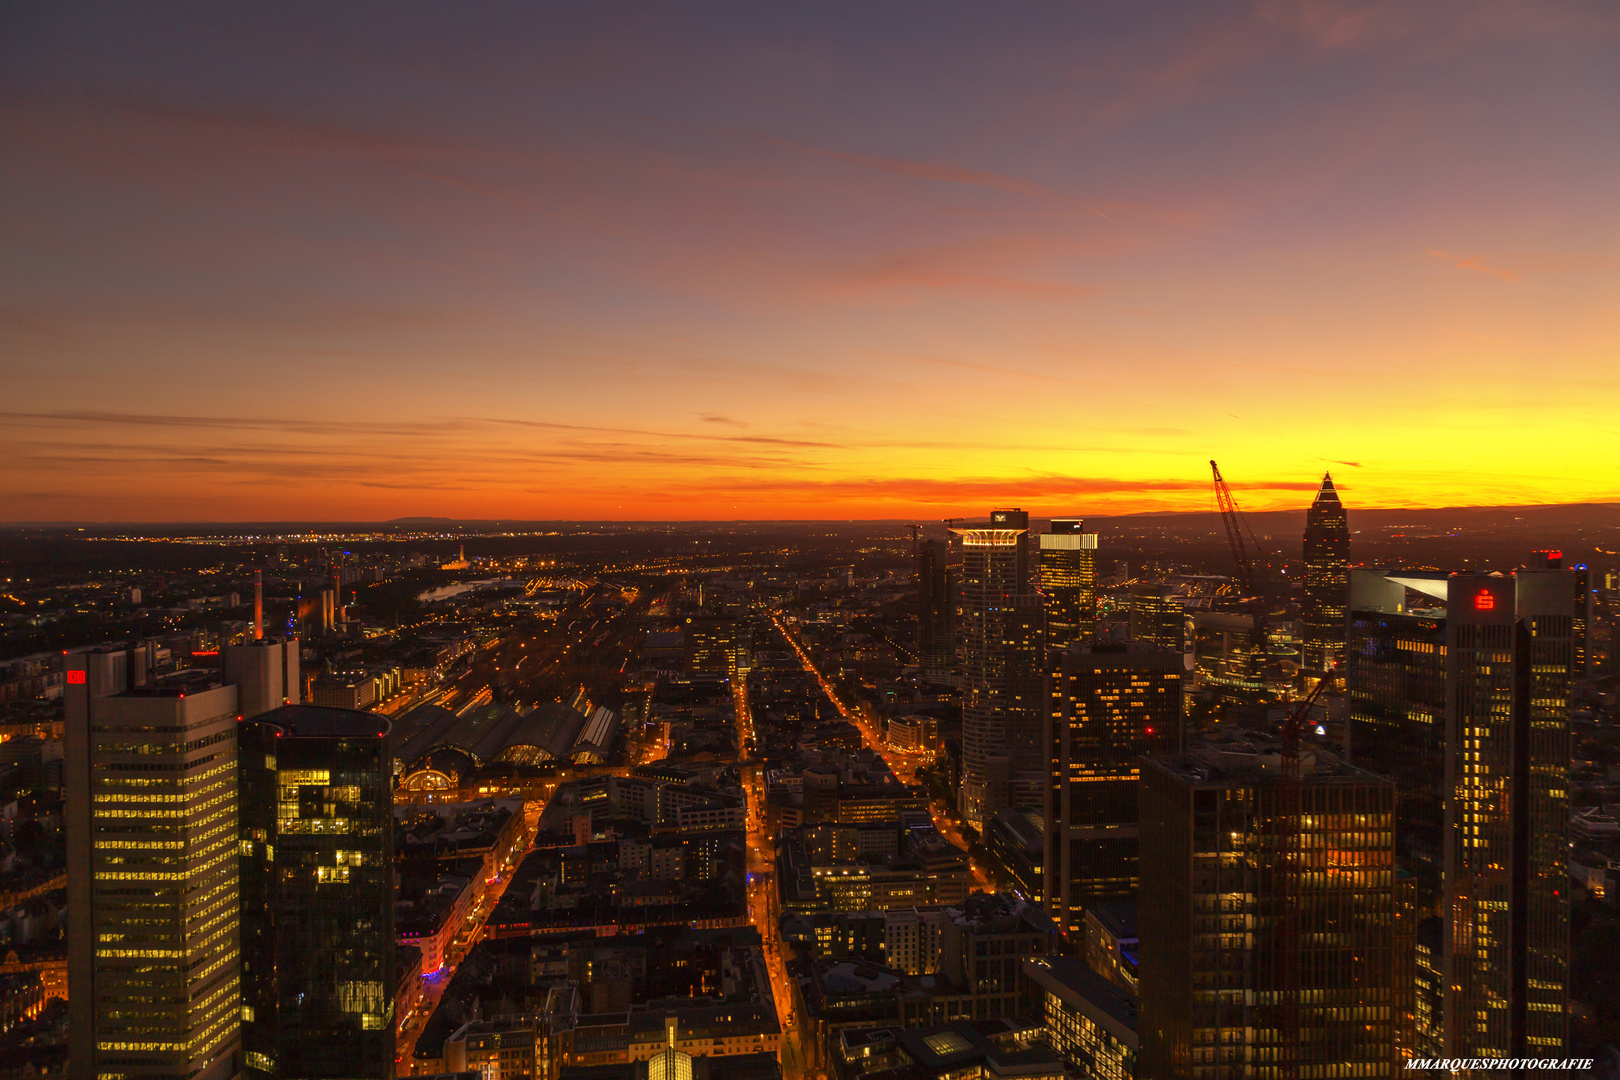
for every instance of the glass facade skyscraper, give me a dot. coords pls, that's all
(317, 871)
(1510, 651)
(1106, 707)
(1327, 586)
(936, 606)
(1001, 624)
(1068, 578)
(1157, 616)
(1395, 677)
(1214, 999)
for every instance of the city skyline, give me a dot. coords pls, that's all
(729, 264)
(829, 542)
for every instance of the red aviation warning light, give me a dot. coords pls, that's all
(1484, 601)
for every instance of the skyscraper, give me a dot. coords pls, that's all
(1327, 585)
(1395, 677)
(1157, 616)
(936, 606)
(1510, 650)
(1001, 626)
(1107, 707)
(151, 822)
(711, 644)
(317, 874)
(1585, 604)
(1069, 582)
(1217, 1002)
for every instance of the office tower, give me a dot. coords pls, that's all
(1023, 652)
(1395, 678)
(1429, 991)
(1069, 582)
(936, 606)
(1090, 1023)
(1229, 651)
(1157, 617)
(1327, 564)
(1001, 624)
(1016, 838)
(264, 672)
(711, 644)
(1217, 1002)
(150, 809)
(317, 873)
(1585, 605)
(1106, 708)
(1510, 648)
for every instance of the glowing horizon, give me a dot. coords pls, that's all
(741, 264)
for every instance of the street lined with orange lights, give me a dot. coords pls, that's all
(762, 900)
(902, 763)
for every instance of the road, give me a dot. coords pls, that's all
(902, 763)
(762, 899)
(472, 931)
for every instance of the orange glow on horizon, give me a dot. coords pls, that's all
(801, 266)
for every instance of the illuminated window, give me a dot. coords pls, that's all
(290, 777)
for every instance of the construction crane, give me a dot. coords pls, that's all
(1236, 525)
(1290, 869)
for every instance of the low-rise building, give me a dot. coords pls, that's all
(1090, 1022)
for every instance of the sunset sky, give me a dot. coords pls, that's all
(766, 260)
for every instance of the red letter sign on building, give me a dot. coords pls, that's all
(76, 678)
(1484, 601)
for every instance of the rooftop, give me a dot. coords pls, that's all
(322, 722)
(1080, 987)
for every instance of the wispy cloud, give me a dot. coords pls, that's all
(919, 170)
(969, 489)
(382, 428)
(1473, 262)
(987, 369)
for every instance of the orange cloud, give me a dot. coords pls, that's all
(1473, 262)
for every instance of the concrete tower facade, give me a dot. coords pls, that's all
(150, 808)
